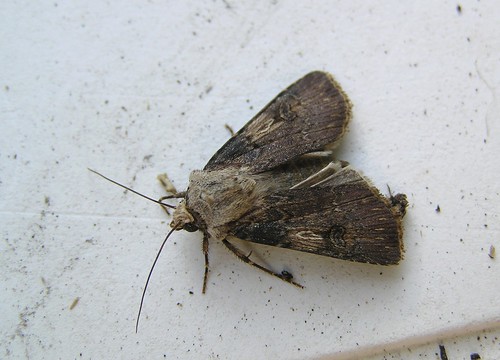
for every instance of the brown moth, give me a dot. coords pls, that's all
(275, 183)
(272, 183)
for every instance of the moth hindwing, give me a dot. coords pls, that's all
(273, 183)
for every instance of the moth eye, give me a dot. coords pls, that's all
(190, 227)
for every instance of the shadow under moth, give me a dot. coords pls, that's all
(276, 183)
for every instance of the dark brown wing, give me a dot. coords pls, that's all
(343, 217)
(310, 114)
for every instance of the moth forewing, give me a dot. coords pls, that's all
(310, 114)
(342, 216)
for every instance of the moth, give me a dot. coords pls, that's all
(275, 182)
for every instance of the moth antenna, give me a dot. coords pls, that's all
(149, 277)
(132, 190)
(390, 192)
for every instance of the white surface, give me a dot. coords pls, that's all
(136, 89)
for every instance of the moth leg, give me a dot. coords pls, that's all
(166, 183)
(230, 129)
(205, 252)
(180, 195)
(170, 189)
(166, 197)
(285, 276)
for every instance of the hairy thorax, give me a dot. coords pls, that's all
(216, 198)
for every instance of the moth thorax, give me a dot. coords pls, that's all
(181, 216)
(219, 197)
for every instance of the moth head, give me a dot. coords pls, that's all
(182, 218)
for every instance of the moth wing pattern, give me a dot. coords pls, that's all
(311, 113)
(342, 216)
(293, 172)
